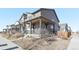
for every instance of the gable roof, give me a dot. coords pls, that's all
(25, 14)
(47, 9)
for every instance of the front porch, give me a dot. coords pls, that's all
(39, 27)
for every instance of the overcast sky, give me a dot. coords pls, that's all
(11, 15)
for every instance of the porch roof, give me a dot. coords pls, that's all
(44, 20)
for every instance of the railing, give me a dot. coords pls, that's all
(33, 16)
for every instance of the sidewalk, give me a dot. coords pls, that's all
(74, 43)
(8, 45)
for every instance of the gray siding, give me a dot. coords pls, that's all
(49, 14)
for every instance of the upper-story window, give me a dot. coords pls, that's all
(29, 17)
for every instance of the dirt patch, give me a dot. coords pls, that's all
(49, 43)
(30, 43)
(12, 36)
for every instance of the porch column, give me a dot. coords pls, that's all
(40, 24)
(54, 30)
(22, 28)
(16, 28)
(3, 30)
(25, 28)
(11, 30)
(30, 27)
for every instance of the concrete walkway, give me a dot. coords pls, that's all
(74, 43)
(6, 44)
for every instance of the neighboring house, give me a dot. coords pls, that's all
(4, 30)
(65, 28)
(7, 29)
(12, 29)
(65, 31)
(42, 22)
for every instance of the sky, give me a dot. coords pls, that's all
(9, 16)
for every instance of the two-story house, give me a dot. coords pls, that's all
(42, 22)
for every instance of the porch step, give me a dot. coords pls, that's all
(32, 35)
